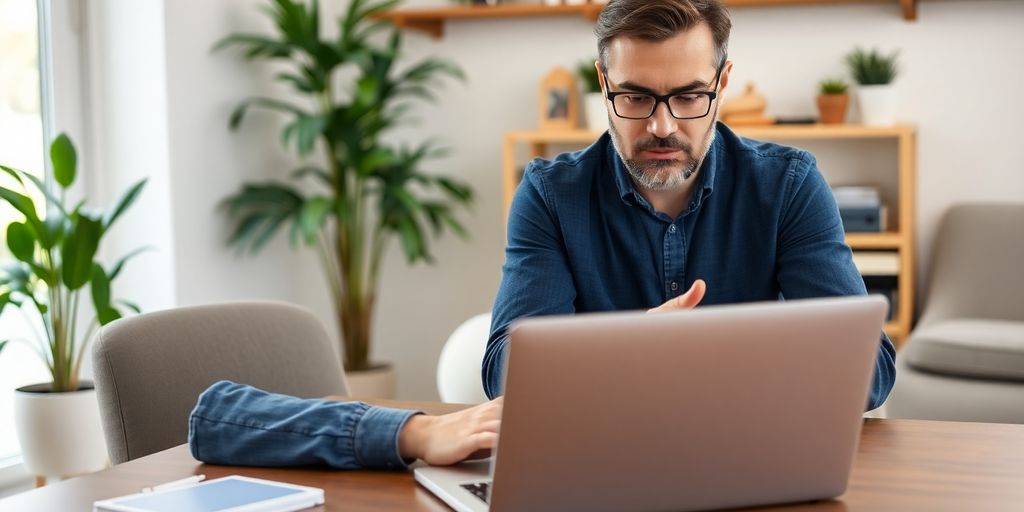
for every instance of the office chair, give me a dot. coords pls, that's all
(458, 368)
(965, 359)
(151, 368)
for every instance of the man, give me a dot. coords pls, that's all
(670, 209)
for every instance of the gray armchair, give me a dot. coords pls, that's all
(965, 359)
(151, 368)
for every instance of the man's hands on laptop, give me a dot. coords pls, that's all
(472, 433)
(450, 438)
(688, 300)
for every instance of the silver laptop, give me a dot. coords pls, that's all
(722, 406)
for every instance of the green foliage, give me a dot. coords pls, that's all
(588, 75)
(871, 67)
(55, 257)
(833, 86)
(368, 190)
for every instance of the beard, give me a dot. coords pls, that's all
(662, 174)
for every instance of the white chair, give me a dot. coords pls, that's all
(458, 369)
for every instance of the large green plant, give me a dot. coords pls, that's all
(54, 261)
(371, 189)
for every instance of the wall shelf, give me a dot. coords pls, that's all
(431, 20)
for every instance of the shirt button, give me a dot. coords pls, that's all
(672, 228)
(674, 286)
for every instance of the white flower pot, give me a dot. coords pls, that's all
(595, 112)
(877, 104)
(60, 433)
(378, 382)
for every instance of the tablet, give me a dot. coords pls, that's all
(229, 494)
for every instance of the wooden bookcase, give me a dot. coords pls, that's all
(432, 19)
(899, 239)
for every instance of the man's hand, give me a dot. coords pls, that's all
(688, 300)
(451, 438)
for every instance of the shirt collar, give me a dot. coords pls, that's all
(708, 171)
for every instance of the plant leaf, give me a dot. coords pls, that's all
(23, 204)
(123, 203)
(100, 290)
(116, 269)
(79, 250)
(21, 241)
(130, 305)
(312, 216)
(2, 343)
(107, 315)
(64, 157)
(14, 174)
(268, 103)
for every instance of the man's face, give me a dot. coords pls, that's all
(662, 152)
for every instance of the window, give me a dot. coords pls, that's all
(22, 147)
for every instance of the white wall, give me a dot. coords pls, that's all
(960, 72)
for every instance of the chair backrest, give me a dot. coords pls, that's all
(151, 368)
(976, 264)
(458, 369)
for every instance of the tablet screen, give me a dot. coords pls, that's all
(216, 495)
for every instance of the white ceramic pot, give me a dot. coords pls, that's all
(60, 433)
(877, 104)
(595, 112)
(378, 382)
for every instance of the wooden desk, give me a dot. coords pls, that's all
(901, 465)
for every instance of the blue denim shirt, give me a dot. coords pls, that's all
(243, 426)
(761, 225)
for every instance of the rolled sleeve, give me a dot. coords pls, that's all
(241, 425)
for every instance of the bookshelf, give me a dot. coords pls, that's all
(898, 241)
(431, 20)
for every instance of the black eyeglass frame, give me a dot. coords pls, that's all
(658, 99)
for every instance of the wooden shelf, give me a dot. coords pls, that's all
(823, 131)
(875, 240)
(895, 331)
(431, 19)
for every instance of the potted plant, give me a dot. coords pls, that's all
(54, 254)
(369, 190)
(874, 74)
(593, 99)
(833, 100)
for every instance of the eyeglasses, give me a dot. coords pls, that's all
(685, 105)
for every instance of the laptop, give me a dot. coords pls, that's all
(718, 407)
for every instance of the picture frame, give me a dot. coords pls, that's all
(558, 100)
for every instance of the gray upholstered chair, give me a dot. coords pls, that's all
(965, 359)
(151, 368)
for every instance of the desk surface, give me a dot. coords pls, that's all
(900, 465)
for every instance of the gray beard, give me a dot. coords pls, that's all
(658, 175)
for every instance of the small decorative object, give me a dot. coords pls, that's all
(874, 74)
(559, 101)
(369, 191)
(746, 109)
(594, 111)
(833, 100)
(54, 258)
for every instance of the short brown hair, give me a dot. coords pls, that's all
(658, 20)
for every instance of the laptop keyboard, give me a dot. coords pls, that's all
(479, 489)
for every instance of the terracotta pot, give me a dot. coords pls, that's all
(833, 108)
